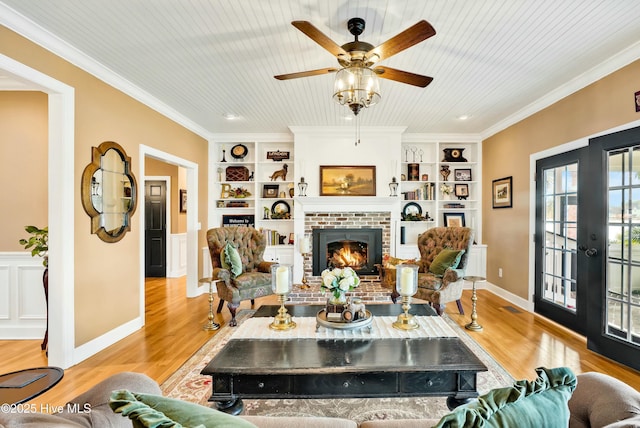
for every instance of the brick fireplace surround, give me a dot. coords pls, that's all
(370, 289)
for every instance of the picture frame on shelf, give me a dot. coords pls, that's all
(461, 191)
(454, 219)
(347, 180)
(501, 192)
(183, 200)
(462, 174)
(270, 190)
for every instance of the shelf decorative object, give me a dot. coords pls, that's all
(406, 286)
(393, 187)
(453, 155)
(302, 187)
(281, 281)
(281, 173)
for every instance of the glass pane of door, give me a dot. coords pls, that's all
(622, 292)
(560, 192)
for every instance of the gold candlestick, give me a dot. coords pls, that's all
(405, 320)
(210, 325)
(406, 286)
(283, 320)
(473, 325)
(281, 280)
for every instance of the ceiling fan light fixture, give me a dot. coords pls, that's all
(357, 87)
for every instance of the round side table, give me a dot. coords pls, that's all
(473, 325)
(210, 325)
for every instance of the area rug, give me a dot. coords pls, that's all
(188, 384)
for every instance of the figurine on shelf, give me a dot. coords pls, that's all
(282, 173)
(223, 152)
(265, 216)
(444, 172)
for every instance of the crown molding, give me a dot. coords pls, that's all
(614, 63)
(38, 35)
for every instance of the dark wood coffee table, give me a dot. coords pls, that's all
(353, 368)
(23, 385)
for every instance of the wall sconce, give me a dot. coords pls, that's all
(302, 187)
(393, 187)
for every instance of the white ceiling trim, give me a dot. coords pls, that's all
(611, 65)
(32, 31)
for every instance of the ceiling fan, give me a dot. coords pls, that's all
(362, 56)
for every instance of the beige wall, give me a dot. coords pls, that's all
(23, 164)
(603, 105)
(107, 275)
(159, 168)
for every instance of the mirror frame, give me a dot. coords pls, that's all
(86, 191)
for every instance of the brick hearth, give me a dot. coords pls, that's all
(370, 288)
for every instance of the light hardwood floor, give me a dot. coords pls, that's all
(518, 340)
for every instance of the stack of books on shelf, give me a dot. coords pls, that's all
(453, 205)
(426, 192)
(272, 237)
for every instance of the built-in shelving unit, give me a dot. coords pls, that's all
(254, 184)
(439, 185)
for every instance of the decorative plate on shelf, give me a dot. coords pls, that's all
(412, 209)
(239, 151)
(280, 210)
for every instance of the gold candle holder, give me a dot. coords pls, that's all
(210, 325)
(283, 320)
(305, 247)
(406, 286)
(405, 320)
(281, 280)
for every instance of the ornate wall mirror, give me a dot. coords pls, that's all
(109, 191)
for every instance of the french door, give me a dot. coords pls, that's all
(561, 283)
(613, 325)
(588, 243)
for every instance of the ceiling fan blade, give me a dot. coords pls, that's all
(319, 37)
(403, 76)
(409, 37)
(306, 73)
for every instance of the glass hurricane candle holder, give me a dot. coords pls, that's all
(281, 281)
(406, 286)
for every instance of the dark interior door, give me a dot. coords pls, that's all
(155, 202)
(561, 281)
(613, 216)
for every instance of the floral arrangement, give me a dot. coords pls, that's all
(338, 281)
(239, 192)
(446, 189)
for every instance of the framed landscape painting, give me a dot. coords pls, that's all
(347, 180)
(501, 193)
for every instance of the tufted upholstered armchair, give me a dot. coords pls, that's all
(448, 288)
(437, 290)
(255, 279)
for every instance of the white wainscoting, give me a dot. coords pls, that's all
(177, 263)
(23, 310)
(207, 267)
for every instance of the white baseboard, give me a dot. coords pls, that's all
(96, 345)
(501, 292)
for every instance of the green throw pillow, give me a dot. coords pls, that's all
(444, 260)
(147, 410)
(230, 259)
(538, 403)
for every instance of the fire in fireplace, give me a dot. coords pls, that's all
(359, 249)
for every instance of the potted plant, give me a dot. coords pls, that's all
(38, 242)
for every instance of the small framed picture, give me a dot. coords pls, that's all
(183, 200)
(463, 174)
(461, 191)
(501, 192)
(270, 190)
(454, 219)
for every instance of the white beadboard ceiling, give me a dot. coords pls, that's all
(493, 60)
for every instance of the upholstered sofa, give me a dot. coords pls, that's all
(597, 401)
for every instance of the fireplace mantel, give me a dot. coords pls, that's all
(322, 204)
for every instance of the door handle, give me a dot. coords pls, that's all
(591, 252)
